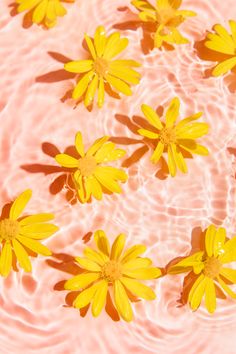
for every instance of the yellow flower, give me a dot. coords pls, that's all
(89, 174)
(112, 268)
(43, 11)
(167, 17)
(223, 42)
(209, 265)
(174, 138)
(19, 234)
(101, 70)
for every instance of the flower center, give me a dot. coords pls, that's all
(167, 136)
(9, 229)
(111, 271)
(87, 165)
(101, 66)
(212, 267)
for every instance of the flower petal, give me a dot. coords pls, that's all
(172, 112)
(40, 12)
(193, 261)
(114, 45)
(85, 297)
(79, 66)
(224, 67)
(124, 73)
(197, 291)
(87, 264)
(122, 302)
(171, 162)
(27, 5)
(66, 161)
(90, 46)
(143, 273)
(222, 32)
(22, 256)
(179, 159)
(157, 152)
(79, 144)
(133, 252)
(148, 134)
(107, 180)
(34, 245)
(81, 281)
(6, 260)
(210, 240)
(97, 145)
(151, 116)
(19, 204)
(82, 85)
(118, 247)
(99, 258)
(192, 147)
(193, 131)
(218, 246)
(36, 219)
(210, 296)
(229, 274)
(229, 254)
(38, 231)
(100, 40)
(102, 242)
(119, 85)
(99, 299)
(92, 88)
(188, 120)
(101, 92)
(226, 288)
(233, 30)
(137, 263)
(95, 187)
(138, 289)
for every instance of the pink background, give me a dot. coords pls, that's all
(161, 213)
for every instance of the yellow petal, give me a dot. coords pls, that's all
(92, 88)
(226, 288)
(113, 173)
(82, 85)
(138, 289)
(100, 40)
(79, 144)
(102, 242)
(19, 204)
(40, 12)
(85, 297)
(194, 261)
(148, 134)
(219, 241)
(188, 120)
(114, 45)
(90, 46)
(151, 116)
(118, 247)
(95, 187)
(36, 219)
(60, 10)
(27, 5)
(193, 131)
(124, 73)
(229, 274)
(210, 240)
(186, 13)
(22, 256)
(222, 32)
(229, 254)
(99, 299)
(172, 112)
(97, 145)
(171, 162)
(87, 264)
(6, 260)
(197, 291)
(101, 92)
(66, 161)
(81, 281)
(147, 16)
(80, 187)
(51, 12)
(133, 252)
(122, 302)
(34, 245)
(233, 30)
(79, 66)
(104, 151)
(192, 147)
(218, 45)
(157, 152)
(210, 296)
(175, 4)
(95, 256)
(107, 180)
(126, 62)
(38, 231)
(119, 85)
(137, 263)
(142, 5)
(224, 67)
(143, 273)
(179, 159)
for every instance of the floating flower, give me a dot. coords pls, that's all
(223, 42)
(19, 234)
(208, 265)
(167, 17)
(100, 70)
(174, 138)
(43, 11)
(112, 268)
(89, 174)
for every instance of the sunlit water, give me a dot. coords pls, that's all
(161, 213)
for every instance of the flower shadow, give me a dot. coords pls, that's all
(197, 245)
(134, 124)
(148, 30)
(66, 263)
(209, 55)
(27, 18)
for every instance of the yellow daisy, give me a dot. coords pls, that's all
(43, 11)
(167, 17)
(90, 175)
(100, 70)
(209, 266)
(18, 235)
(174, 138)
(223, 42)
(111, 267)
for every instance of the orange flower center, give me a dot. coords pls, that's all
(87, 165)
(101, 66)
(9, 229)
(111, 271)
(212, 267)
(167, 136)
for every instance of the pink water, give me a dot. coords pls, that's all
(161, 213)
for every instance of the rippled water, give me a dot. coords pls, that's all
(161, 213)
